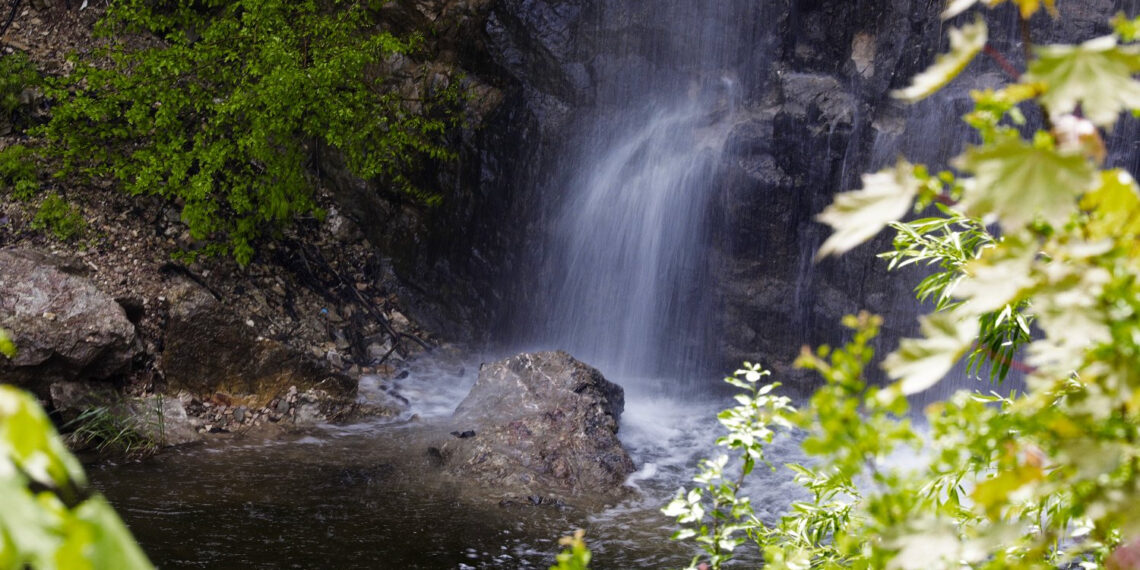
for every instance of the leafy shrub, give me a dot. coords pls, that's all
(18, 171)
(1048, 478)
(60, 217)
(225, 114)
(18, 76)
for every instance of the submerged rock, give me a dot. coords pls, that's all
(63, 326)
(539, 423)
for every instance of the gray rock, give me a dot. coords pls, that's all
(539, 423)
(64, 327)
(164, 419)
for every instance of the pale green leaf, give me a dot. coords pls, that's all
(965, 43)
(1069, 312)
(955, 7)
(996, 278)
(111, 544)
(857, 216)
(1017, 182)
(920, 363)
(994, 493)
(1097, 75)
(1114, 206)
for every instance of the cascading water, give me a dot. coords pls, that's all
(627, 271)
(630, 241)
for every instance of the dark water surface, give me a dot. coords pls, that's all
(368, 496)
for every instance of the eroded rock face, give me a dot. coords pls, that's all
(64, 327)
(208, 350)
(539, 423)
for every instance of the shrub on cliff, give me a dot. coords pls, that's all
(220, 107)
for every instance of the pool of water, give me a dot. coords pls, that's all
(367, 495)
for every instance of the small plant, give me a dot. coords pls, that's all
(125, 427)
(576, 556)
(59, 217)
(18, 172)
(18, 80)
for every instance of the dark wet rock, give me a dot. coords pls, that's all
(539, 423)
(208, 350)
(63, 326)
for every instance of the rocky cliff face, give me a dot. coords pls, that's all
(815, 113)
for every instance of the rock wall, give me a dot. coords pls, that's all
(816, 115)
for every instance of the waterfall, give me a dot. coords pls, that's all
(627, 271)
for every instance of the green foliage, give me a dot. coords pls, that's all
(576, 556)
(18, 76)
(1048, 478)
(50, 518)
(60, 217)
(965, 43)
(713, 514)
(224, 113)
(18, 171)
(119, 427)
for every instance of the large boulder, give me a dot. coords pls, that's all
(209, 351)
(539, 424)
(64, 327)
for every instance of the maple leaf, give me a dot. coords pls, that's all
(965, 43)
(1017, 182)
(996, 279)
(920, 363)
(1097, 75)
(858, 215)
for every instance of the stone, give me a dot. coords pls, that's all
(537, 424)
(63, 326)
(209, 350)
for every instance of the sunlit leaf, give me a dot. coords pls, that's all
(1113, 206)
(1097, 75)
(994, 494)
(920, 363)
(995, 279)
(1069, 312)
(1017, 182)
(1030, 7)
(965, 43)
(955, 7)
(857, 216)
